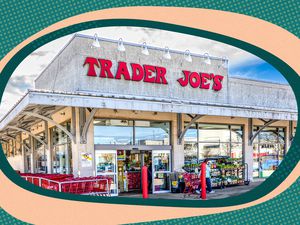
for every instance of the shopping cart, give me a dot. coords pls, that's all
(98, 186)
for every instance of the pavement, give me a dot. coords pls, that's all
(219, 193)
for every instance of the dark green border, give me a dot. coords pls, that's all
(287, 165)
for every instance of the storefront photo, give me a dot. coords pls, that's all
(109, 117)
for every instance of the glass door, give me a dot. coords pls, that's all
(161, 168)
(106, 165)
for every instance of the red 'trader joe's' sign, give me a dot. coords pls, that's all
(151, 74)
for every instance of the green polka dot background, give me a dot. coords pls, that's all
(24, 20)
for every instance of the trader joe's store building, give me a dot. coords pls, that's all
(109, 108)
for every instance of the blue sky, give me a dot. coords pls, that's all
(259, 70)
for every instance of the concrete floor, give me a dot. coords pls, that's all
(219, 193)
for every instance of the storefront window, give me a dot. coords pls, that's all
(213, 133)
(62, 152)
(191, 145)
(213, 149)
(62, 160)
(122, 132)
(213, 140)
(113, 132)
(41, 159)
(152, 133)
(268, 151)
(59, 136)
(27, 155)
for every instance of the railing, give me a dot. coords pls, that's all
(97, 186)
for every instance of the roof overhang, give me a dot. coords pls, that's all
(38, 99)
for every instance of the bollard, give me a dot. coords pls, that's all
(203, 181)
(145, 181)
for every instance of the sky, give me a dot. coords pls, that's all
(241, 63)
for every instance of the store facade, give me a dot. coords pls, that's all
(111, 110)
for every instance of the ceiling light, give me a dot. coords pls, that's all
(96, 42)
(207, 59)
(167, 54)
(225, 62)
(187, 56)
(145, 49)
(121, 47)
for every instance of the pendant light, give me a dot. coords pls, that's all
(121, 46)
(145, 49)
(224, 62)
(167, 54)
(187, 56)
(96, 42)
(207, 59)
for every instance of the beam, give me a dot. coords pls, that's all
(182, 133)
(72, 138)
(27, 132)
(20, 142)
(87, 125)
(260, 129)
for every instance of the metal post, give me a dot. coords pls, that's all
(203, 181)
(145, 181)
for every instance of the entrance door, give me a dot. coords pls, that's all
(106, 165)
(161, 168)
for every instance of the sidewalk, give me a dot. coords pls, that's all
(219, 193)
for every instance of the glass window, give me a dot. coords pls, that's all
(190, 152)
(191, 134)
(113, 132)
(214, 140)
(268, 151)
(106, 162)
(236, 133)
(214, 133)
(213, 149)
(161, 161)
(152, 133)
(59, 136)
(236, 150)
(40, 155)
(62, 159)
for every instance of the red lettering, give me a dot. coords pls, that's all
(195, 79)
(148, 74)
(92, 63)
(105, 68)
(217, 82)
(184, 81)
(137, 72)
(161, 75)
(122, 71)
(204, 78)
